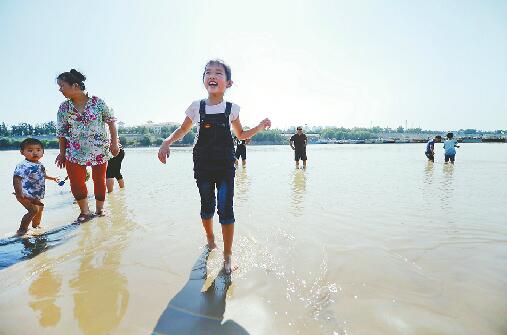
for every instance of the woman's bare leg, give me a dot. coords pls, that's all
(99, 206)
(83, 206)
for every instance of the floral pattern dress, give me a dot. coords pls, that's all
(87, 137)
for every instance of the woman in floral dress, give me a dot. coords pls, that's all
(84, 140)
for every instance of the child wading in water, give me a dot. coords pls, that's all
(430, 148)
(449, 146)
(241, 151)
(213, 152)
(29, 183)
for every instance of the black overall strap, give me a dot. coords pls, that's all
(202, 110)
(228, 107)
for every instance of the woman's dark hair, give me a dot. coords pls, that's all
(450, 135)
(220, 62)
(73, 77)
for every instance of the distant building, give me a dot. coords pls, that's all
(157, 127)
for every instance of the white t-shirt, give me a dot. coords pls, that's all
(193, 111)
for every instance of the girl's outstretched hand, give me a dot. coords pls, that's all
(163, 153)
(265, 124)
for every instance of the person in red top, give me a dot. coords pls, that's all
(298, 143)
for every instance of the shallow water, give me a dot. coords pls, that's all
(370, 239)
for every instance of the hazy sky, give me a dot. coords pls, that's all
(434, 64)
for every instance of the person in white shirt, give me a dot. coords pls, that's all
(213, 152)
(449, 147)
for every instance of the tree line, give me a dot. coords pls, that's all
(11, 136)
(26, 129)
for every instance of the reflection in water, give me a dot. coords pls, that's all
(44, 290)
(428, 191)
(17, 249)
(242, 185)
(34, 245)
(298, 191)
(428, 173)
(447, 187)
(199, 313)
(100, 291)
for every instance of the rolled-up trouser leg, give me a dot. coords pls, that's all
(99, 181)
(77, 177)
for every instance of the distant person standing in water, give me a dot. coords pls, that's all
(449, 146)
(84, 140)
(430, 147)
(213, 152)
(114, 170)
(298, 143)
(241, 151)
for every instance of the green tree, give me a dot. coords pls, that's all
(22, 129)
(329, 133)
(145, 140)
(269, 136)
(165, 131)
(49, 128)
(123, 140)
(38, 130)
(5, 143)
(188, 138)
(3, 130)
(50, 144)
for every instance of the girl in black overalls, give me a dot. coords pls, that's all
(213, 153)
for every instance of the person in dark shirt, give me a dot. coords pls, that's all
(241, 150)
(114, 170)
(298, 143)
(430, 148)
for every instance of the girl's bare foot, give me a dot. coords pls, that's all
(211, 244)
(228, 266)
